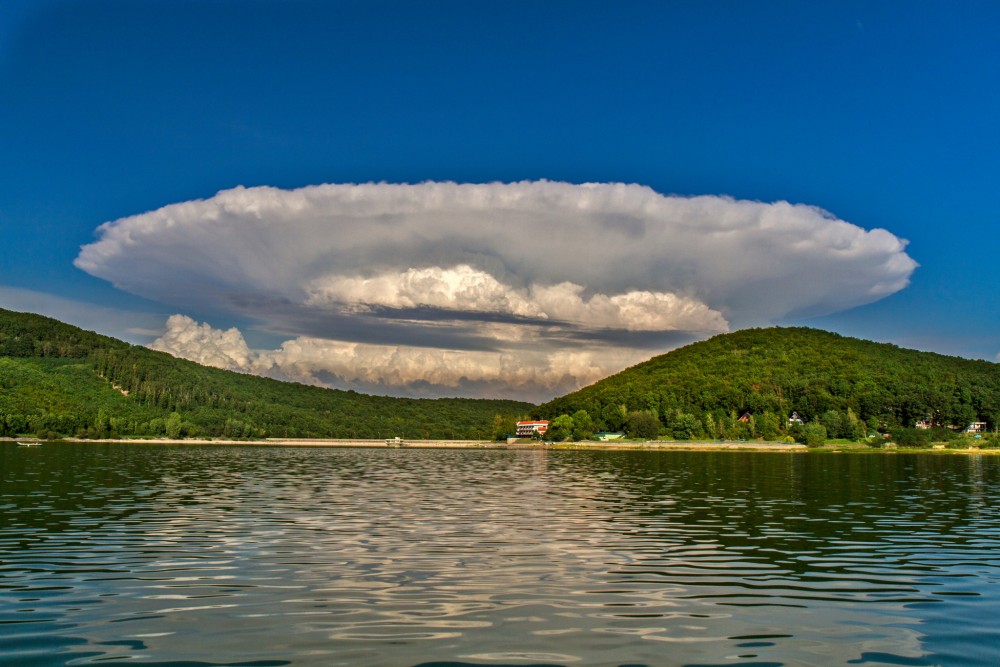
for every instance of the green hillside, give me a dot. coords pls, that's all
(848, 385)
(56, 379)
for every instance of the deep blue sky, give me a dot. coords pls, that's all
(885, 114)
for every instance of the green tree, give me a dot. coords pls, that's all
(834, 422)
(685, 426)
(726, 428)
(857, 430)
(560, 429)
(174, 425)
(711, 430)
(583, 425)
(642, 424)
(614, 416)
(769, 426)
(504, 426)
(102, 423)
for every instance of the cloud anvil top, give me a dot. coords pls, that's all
(558, 275)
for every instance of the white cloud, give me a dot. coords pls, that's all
(751, 261)
(201, 343)
(524, 374)
(431, 267)
(463, 288)
(459, 288)
(632, 311)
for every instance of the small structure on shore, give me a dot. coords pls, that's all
(795, 420)
(527, 429)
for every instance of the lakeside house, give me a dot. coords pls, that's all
(527, 429)
(795, 420)
(976, 427)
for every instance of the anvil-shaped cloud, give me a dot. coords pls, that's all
(465, 288)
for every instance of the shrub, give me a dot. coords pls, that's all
(814, 434)
(911, 437)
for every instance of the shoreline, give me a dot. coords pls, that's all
(651, 445)
(434, 444)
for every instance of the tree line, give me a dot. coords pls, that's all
(747, 384)
(59, 380)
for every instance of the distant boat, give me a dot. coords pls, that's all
(29, 444)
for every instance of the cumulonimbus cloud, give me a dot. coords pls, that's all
(428, 266)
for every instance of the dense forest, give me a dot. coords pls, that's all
(59, 380)
(850, 387)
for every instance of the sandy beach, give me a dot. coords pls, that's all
(651, 445)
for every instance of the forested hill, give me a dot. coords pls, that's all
(57, 379)
(772, 372)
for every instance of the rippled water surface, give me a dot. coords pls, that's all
(198, 555)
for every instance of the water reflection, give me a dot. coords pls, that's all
(240, 555)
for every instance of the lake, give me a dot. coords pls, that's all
(201, 555)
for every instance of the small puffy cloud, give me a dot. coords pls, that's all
(437, 268)
(201, 343)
